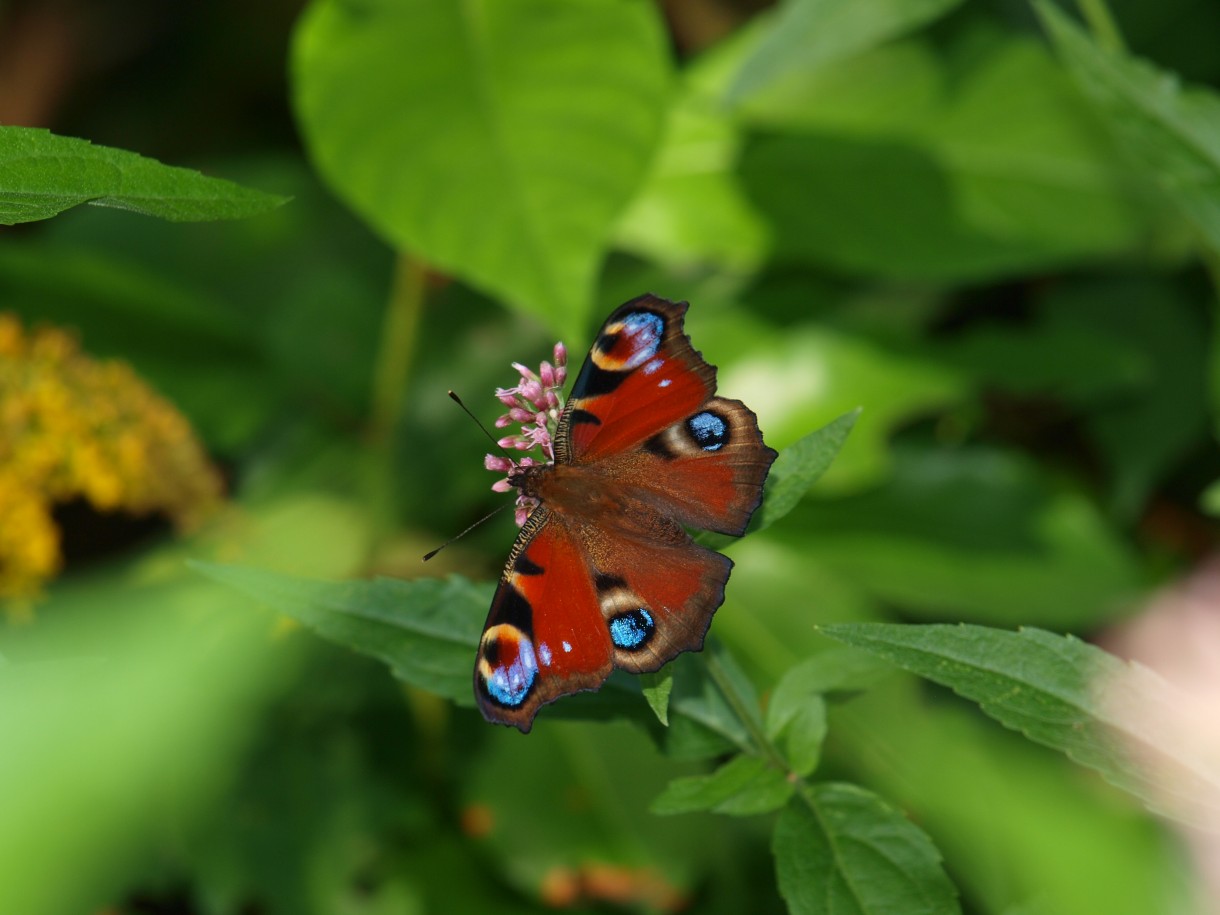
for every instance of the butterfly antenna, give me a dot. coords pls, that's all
(490, 514)
(457, 400)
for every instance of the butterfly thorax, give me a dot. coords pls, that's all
(566, 487)
(587, 496)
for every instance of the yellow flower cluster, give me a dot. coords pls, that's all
(74, 427)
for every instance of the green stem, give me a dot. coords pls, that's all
(398, 333)
(1101, 23)
(741, 708)
(745, 714)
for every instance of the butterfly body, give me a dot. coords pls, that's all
(604, 573)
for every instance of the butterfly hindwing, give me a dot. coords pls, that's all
(544, 636)
(706, 471)
(656, 597)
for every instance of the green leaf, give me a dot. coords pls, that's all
(834, 673)
(981, 534)
(690, 211)
(1209, 499)
(1141, 436)
(841, 850)
(796, 469)
(702, 722)
(796, 716)
(657, 686)
(426, 630)
(42, 174)
(497, 140)
(778, 368)
(744, 786)
(1172, 132)
(799, 466)
(1111, 716)
(806, 35)
(802, 736)
(960, 166)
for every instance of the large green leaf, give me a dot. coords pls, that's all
(1064, 693)
(841, 850)
(42, 174)
(498, 140)
(1171, 131)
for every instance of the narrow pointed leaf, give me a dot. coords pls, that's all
(797, 468)
(425, 630)
(42, 174)
(1171, 130)
(1118, 718)
(806, 35)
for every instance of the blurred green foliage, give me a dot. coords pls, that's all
(992, 226)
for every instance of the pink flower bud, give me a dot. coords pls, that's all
(561, 355)
(497, 462)
(547, 375)
(501, 486)
(527, 374)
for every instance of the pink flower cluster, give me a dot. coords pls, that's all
(535, 404)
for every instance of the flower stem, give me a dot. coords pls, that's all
(398, 333)
(1101, 23)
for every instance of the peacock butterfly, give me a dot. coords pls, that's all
(603, 573)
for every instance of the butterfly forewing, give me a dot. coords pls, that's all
(640, 376)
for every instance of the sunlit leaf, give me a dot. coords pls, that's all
(42, 174)
(497, 140)
(841, 850)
